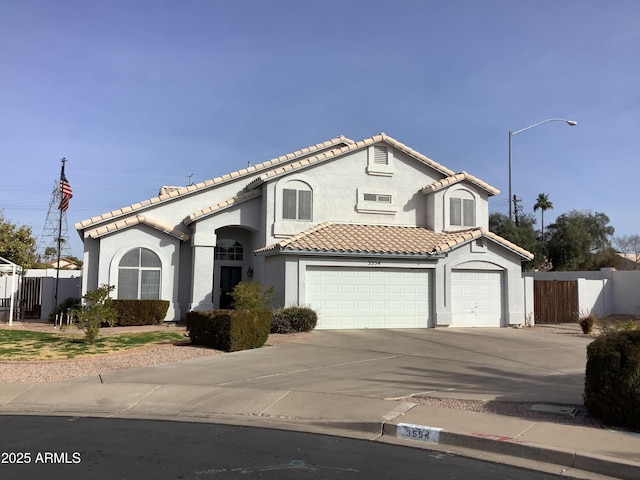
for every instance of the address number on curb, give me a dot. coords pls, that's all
(420, 433)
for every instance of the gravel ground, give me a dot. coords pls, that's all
(511, 409)
(53, 371)
(57, 370)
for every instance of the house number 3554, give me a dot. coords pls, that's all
(373, 262)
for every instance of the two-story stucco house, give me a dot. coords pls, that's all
(371, 234)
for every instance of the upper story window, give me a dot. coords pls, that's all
(139, 273)
(228, 250)
(375, 197)
(462, 211)
(371, 200)
(297, 201)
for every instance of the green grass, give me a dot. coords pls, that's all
(27, 345)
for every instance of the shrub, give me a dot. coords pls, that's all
(229, 330)
(612, 380)
(140, 312)
(96, 309)
(65, 306)
(252, 296)
(587, 323)
(614, 324)
(293, 320)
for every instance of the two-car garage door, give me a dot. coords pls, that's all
(376, 297)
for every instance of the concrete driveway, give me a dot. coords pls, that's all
(490, 364)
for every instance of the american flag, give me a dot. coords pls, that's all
(65, 189)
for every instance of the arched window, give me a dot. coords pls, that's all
(462, 209)
(139, 273)
(297, 199)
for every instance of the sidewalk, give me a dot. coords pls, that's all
(597, 451)
(571, 450)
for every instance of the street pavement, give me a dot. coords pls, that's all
(367, 384)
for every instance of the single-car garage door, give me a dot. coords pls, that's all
(476, 298)
(377, 297)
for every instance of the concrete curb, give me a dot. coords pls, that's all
(464, 444)
(600, 464)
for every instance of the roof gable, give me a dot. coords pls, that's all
(136, 220)
(457, 178)
(349, 148)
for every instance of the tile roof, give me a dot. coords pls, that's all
(457, 178)
(136, 220)
(382, 239)
(175, 192)
(243, 197)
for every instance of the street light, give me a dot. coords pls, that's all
(571, 123)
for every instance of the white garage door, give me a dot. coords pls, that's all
(368, 297)
(476, 298)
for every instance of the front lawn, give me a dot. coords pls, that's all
(27, 345)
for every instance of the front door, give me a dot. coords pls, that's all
(229, 278)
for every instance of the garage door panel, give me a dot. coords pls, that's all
(350, 297)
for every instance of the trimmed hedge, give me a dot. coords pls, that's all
(612, 380)
(293, 320)
(140, 312)
(229, 330)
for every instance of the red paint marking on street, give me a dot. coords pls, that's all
(496, 437)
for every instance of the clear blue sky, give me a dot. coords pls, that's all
(137, 94)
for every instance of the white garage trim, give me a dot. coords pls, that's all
(356, 297)
(476, 298)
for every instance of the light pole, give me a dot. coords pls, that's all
(571, 123)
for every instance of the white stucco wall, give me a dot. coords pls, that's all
(470, 257)
(490, 257)
(604, 292)
(335, 188)
(114, 247)
(189, 278)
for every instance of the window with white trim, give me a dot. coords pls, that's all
(139, 273)
(297, 201)
(462, 212)
(376, 197)
(372, 200)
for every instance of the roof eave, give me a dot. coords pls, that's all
(359, 254)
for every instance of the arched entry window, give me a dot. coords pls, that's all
(139, 273)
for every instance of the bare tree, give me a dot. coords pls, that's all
(629, 246)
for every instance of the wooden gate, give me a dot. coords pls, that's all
(30, 296)
(555, 301)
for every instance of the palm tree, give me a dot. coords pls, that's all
(543, 203)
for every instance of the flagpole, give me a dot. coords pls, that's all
(60, 208)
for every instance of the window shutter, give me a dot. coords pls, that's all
(455, 211)
(380, 155)
(304, 205)
(289, 203)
